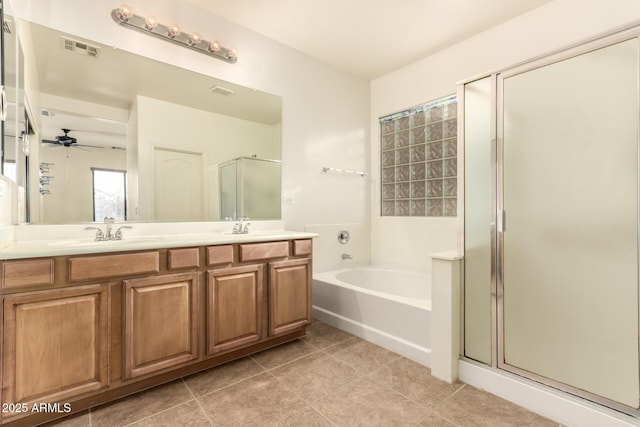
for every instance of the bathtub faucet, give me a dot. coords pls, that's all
(346, 256)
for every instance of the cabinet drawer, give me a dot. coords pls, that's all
(27, 272)
(220, 254)
(184, 258)
(103, 266)
(255, 251)
(302, 247)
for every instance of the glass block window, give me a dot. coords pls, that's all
(419, 160)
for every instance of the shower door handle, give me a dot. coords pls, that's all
(502, 223)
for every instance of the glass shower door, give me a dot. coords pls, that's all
(568, 250)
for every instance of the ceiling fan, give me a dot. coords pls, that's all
(67, 141)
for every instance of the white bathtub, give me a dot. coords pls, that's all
(387, 307)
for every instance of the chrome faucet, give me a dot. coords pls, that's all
(108, 234)
(109, 230)
(241, 227)
(346, 256)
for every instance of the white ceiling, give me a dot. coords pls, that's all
(368, 38)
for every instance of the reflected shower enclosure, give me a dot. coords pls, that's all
(250, 187)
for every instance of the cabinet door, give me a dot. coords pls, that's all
(55, 344)
(289, 295)
(161, 322)
(234, 307)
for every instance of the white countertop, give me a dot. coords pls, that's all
(33, 248)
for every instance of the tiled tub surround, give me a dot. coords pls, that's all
(419, 160)
(327, 378)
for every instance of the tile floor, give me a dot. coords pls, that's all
(328, 378)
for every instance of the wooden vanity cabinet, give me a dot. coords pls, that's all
(234, 307)
(88, 329)
(160, 322)
(55, 344)
(289, 295)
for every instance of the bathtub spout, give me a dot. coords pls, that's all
(346, 256)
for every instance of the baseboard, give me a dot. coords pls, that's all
(561, 407)
(398, 345)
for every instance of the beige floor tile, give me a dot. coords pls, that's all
(140, 405)
(367, 403)
(257, 401)
(434, 420)
(306, 417)
(314, 376)
(186, 415)
(322, 335)
(284, 353)
(363, 356)
(222, 376)
(414, 381)
(477, 408)
(76, 420)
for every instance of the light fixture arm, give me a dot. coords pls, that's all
(171, 34)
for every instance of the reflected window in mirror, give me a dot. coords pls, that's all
(109, 194)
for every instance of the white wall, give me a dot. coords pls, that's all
(71, 198)
(548, 28)
(325, 111)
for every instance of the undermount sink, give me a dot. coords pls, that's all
(125, 241)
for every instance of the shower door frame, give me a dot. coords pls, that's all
(497, 240)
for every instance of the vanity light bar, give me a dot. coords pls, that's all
(171, 33)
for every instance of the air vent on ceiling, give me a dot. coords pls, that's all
(71, 45)
(46, 113)
(220, 90)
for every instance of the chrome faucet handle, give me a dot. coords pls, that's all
(245, 230)
(109, 233)
(99, 233)
(118, 235)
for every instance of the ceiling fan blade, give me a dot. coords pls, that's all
(100, 132)
(85, 145)
(49, 141)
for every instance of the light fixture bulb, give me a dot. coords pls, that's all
(150, 22)
(214, 46)
(232, 54)
(173, 31)
(194, 39)
(124, 13)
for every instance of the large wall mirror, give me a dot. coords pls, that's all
(117, 134)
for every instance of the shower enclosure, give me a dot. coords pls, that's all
(551, 220)
(250, 187)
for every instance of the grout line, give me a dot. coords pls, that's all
(206, 415)
(232, 384)
(157, 413)
(315, 350)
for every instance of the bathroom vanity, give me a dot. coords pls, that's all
(88, 322)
